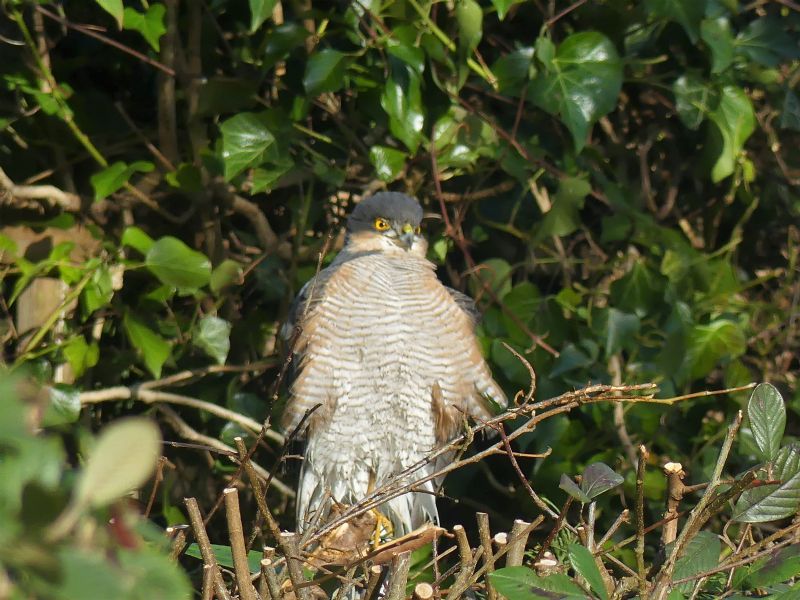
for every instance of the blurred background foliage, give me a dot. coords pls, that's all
(613, 181)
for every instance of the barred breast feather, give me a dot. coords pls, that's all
(391, 358)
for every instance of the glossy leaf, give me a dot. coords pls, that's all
(402, 101)
(114, 8)
(503, 6)
(388, 162)
(564, 215)
(154, 349)
(150, 24)
(767, 415)
(113, 177)
(692, 99)
(137, 239)
(781, 566)
(736, 121)
(224, 556)
(175, 264)
(583, 84)
(766, 41)
(213, 337)
(773, 501)
(245, 142)
(325, 72)
(122, 459)
(260, 11)
(63, 406)
(226, 274)
(521, 583)
(469, 17)
(688, 13)
(717, 34)
(584, 564)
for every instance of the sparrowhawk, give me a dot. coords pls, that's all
(390, 356)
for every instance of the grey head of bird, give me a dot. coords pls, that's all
(387, 221)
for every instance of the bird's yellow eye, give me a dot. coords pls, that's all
(381, 224)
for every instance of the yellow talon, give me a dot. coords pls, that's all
(383, 528)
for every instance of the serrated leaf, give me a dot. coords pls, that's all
(736, 121)
(767, 415)
(63, 406)
(154, 349)
(521, 583)
(122, 459)
(260, 11)
(688, 13)
(213, 337)
(568, 485)
(150, 24)
(114, 8)
(113, 177)
(582, 85)
(325, 72)
(701, 554)
(245, 142)
(388, 162)
(692, 99)
(774, 501)
(599, 478)
(584, 564)
(782, 566)
(175, 264)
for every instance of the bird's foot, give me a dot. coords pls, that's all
(383, 528)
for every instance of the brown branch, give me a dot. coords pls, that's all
(640, 473)
(22, 195)
(675, 491)
(206, 551)
(238, 549)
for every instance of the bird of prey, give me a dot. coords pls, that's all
(389, 357)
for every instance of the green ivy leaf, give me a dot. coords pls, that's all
(688, 13)
(154, 349)
(213, 336)
(521, 583)
(137, 239)
(692, 99)
(260, 11)
(495, 274)
(388, 162)
(639, 291)
(765, 41)
(502, 7)
(619, 330)
(735, 121)
(113, 177)
(774, 501)
(63, 406)
(245, 142)
(150, 24)
(114, 8)
(583, 562)
(402, 102)
(717, 34)
(564, 215)
(790, 114)
(80, 355)
(582, 85)
(98, 291)
(226, 274)
(175, 264)
(707, 344)
(325, 72)
(767, 415)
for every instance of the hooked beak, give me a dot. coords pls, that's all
(406, 236)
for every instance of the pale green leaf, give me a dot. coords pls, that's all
(584, 564)
(154, 349)
(213, 337)
(113, 177)
(260, 11)
(736, 121)
(150, 24)
(175, 264)
(114, 8)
